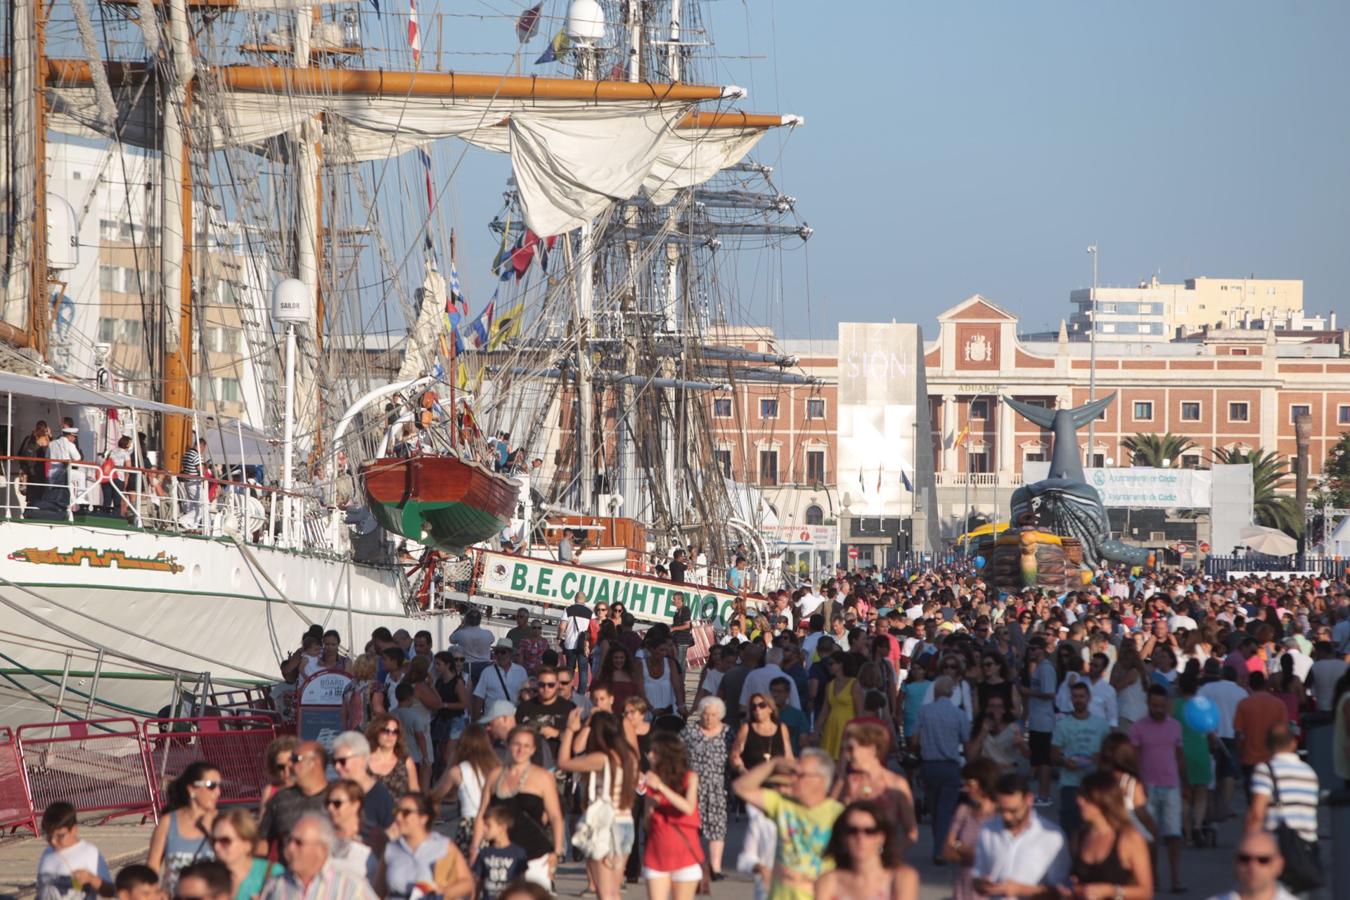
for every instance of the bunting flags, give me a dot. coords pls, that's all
(556, 49)
(481, 326)
(414, 36)
(507, 325)
(528, 23)
(456, 298)
(425, 159)
(904, 479)
(376, 4)
(523, 253)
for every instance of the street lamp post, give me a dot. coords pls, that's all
(1092, 350)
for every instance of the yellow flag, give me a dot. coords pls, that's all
(506, 325)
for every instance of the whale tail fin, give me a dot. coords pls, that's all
(1089, 411)
(1045, 418)
(1038, 415)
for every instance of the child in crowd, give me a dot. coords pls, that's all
(499, 862)
(70, 868)
(138, 882)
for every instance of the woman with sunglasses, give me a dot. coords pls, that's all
(232, 839)
(279, 772)
(353, 852)
(183, 834)
(422, 856)
(866, 849)
(389, 759)
(997, 682)
(843, 701)
(762, 738)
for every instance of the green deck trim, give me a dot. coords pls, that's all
(448, 525)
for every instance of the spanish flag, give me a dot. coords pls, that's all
(961, 438)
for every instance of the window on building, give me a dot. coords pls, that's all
(1343, 415)
(1108, 328)
(978, 462)
(131, 331)
(768, 407)
(722, 408)
(1096, 460)
(979, 409)
(1143, 410)
(1107, 307)
(1190, 411)
(1299, 409)
(1190, 460)
(815, 407)
(109, 278)
(815, 466)
(815, 515)
(1238, 411)
(768, 467)
(1033, 455)
(107, 330)
(722, 459)
(229, 390)
(1238, 351)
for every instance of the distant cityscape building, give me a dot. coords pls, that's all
(109, 305)
(1230, 388)
(1154, 311)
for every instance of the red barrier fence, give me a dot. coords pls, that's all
(96, 765)
(15, 808)
(235, 745)
(123, 766)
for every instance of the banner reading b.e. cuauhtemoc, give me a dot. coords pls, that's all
(547, 581)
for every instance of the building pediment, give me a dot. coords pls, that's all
(976, 308)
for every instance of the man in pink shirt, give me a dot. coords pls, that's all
(1158, 737)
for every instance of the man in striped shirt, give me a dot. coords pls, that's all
(1289, 778)
(310, 874)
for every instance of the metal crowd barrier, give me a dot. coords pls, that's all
(96, 765)
(123, 766)
(16, 810)
(236, 746)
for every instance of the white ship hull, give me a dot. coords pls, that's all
(158, 600)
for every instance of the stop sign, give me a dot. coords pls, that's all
(1204, 547)
(852, 552)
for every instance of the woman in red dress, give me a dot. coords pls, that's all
(673, 861)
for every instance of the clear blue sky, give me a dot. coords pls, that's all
(963, 146)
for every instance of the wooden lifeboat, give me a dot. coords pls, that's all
(439, 501)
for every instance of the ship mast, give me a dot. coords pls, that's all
(176, 231)
(24, 319)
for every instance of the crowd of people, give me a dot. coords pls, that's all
(1070, 746)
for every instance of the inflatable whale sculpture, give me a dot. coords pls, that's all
(1064, 503)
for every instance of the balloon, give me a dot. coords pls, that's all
(979, 562)
(1201, 714)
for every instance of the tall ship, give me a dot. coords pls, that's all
(267, 190)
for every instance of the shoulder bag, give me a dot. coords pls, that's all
(1302, 865)
(594, 836)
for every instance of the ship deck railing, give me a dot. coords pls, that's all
(160, 501)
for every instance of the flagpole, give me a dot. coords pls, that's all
(454, 408)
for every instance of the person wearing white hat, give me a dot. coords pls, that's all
(62, 452)
(500, 681)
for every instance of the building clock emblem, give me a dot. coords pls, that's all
(978, 349)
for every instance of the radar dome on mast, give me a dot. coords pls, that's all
(585, 21)
(292, 302)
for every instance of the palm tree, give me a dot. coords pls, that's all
(1269, 475)
(1152, 449)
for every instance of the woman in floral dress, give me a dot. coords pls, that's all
(706, 737)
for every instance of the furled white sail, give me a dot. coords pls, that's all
(423, 343)
(690, 156)
(570, 165)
